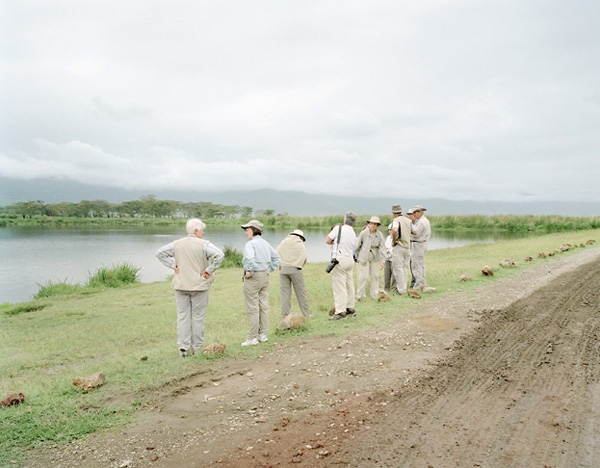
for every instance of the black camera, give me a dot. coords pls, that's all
(332, 264)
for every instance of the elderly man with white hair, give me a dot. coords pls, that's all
(194, 261)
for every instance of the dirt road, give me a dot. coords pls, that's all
(508, 376)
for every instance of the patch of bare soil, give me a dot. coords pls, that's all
(508, 376)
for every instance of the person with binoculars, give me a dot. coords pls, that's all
(342, 240)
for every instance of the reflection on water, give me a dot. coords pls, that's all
(31, 256)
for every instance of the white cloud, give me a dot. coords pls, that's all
(456, 99)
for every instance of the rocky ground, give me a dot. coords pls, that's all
(506, 376)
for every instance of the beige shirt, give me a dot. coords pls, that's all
(423, 230)
(292, 252)
(368, 242)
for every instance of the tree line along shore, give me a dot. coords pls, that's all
(151, 212)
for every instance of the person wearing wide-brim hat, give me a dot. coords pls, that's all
(369, 250)
(401, 230)
(293, 258)
(259, 260)
(418, 246)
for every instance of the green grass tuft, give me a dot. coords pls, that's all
(115, 277)
(24, 307)
(233, 258)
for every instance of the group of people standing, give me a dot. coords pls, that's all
(403, 251)
(194, 261)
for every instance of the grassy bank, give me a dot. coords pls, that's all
(46, 342)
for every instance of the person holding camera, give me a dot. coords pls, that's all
(369, 252)
(342, 240)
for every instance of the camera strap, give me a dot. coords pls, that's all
(339, 236)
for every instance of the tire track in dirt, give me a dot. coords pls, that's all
(504, 377)
(522, 389)
(515, 393)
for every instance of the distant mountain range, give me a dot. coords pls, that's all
(284, 202)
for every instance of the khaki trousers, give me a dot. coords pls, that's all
(288, 277)
(388, 276)
(365, 270)
(191, 309)
(400, 267)
(419, 249)
(342, 282)
(256, 297)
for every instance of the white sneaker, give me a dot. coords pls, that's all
(263, 338)
(252, 342)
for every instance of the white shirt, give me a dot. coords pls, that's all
(347, 241)
(389, 248)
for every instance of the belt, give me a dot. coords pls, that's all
(419, 242)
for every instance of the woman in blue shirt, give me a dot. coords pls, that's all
(259, 260)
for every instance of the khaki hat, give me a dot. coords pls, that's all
(397, 209)
(374, 220)
(410, 211)
(255, 223)
(419, 208)
(299, 233)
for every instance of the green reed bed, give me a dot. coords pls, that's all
(516, 223)
(323, 223)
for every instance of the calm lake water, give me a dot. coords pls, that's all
(30, 257)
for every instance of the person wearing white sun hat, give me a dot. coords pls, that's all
(293, 258)
(369, 250)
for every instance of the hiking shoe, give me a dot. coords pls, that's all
(183, 352)
(252, 342)
(350, 313)
(341, 316)
(262, 337)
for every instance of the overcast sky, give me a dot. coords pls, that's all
(459, 99)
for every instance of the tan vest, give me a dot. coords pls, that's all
(191, 261)
(292, 252)
(405, 228)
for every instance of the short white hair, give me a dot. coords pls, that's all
(194, 224)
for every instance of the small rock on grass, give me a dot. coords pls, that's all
(214, 348)
(90, 382)
(291, 322)
(12, 400)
